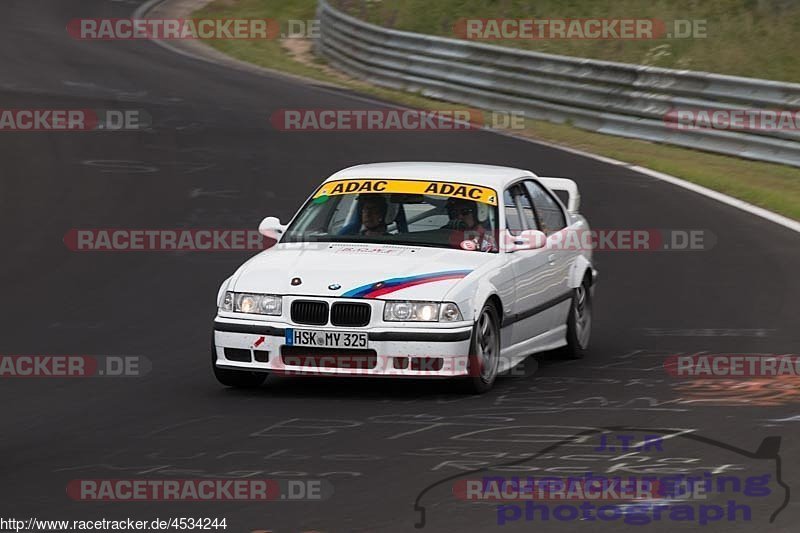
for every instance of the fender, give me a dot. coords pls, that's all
(472, 292)
(471, 299)
(578, 271)
(485, 290)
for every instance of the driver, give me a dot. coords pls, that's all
(464, 220)
(463, 215)
(373, 215)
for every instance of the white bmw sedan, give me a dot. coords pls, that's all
(411, 269)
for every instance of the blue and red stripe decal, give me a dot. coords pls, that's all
(373, 290)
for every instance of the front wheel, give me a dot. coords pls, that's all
(579, 322)
(484, 351)
(241, 379)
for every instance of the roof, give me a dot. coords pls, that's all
(474, 174)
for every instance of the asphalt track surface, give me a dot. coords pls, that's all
(379, 443)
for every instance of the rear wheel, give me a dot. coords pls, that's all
(242, 379)
(579, 322)
(484, 352)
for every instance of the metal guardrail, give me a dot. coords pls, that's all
(602, 96)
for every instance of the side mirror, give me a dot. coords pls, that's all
(271, 227)
(529, 239)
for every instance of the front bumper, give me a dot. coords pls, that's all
(402, 351)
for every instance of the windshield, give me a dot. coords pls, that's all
(399, 212)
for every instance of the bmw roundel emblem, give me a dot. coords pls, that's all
(296, 281)
(334, 286)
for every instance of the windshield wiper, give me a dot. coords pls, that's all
(414, 243)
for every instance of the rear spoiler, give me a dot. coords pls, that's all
(565, 185)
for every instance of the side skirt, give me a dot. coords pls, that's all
(511, 356)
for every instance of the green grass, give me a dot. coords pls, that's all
(774, 187)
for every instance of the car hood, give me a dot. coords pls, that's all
(358, 271)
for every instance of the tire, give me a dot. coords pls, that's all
(484, 352)
(579, 322)
(241, 379)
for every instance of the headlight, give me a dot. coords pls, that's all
(259, 304)
(411, 311)
(227, 302)
(450, 313)
(399, 311)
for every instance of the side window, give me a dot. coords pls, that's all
(550, 214)
(513, 218)
(527, 209)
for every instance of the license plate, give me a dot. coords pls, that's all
(325, 339)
